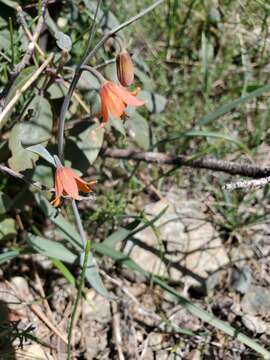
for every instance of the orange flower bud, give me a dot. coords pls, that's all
(125, 69)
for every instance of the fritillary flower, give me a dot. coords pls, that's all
(68, 183)
(115, 99)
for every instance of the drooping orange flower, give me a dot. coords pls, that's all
(115, 99)
(68, 183)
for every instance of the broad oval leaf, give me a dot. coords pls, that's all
(118, 125)
(88, 82)
(63, 41)
(91, 141)
(34, 131)
(105, 18)
(138, 130)
(4, 39)
(154, 102)
(7, 228)
(5, 203)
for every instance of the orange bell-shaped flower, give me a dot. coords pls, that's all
(68, 183)
(115, 99)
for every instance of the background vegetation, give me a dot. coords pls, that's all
(178, 267)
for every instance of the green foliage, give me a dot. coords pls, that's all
(204, 75)
(36, 130)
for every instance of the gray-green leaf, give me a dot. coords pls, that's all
(154, 102)
(53, 249)
(91, 141)
(36, 130)
(138, 130)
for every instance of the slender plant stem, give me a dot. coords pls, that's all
(89, 54)
(92, 32)
(75, 79)
(11, 40)
(94, 72)
(85, 61)
(79, 223)
(120, 27)
(79, 293)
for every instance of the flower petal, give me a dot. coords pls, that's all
(56, 201)
(69, 184)
(58, 182)
(125, 95)
(112, 101)
(104, 110)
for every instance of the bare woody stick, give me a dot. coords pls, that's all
(20, 176)
(20, 91)
(31, 46)
(228, 167)
(247, 184)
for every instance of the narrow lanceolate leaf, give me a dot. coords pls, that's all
(116, 237)
(64, 271)
(62, 224)
(9, 255)
(53, 249)
(71, 235)
(224, 109)
(42, 152)
(10, 3)
(93, 277)
(35, 130)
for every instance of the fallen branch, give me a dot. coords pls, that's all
(228, 167)
(247, 184)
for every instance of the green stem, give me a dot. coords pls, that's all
(94, 72)
(79, 223)
(85, 61)
(11, 41)
(79, 294)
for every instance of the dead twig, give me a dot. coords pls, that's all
(20, 176)
(117, 331)
(247, 184)
(31, 46)
(38, 312)
(20, 91)
(228, 167)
